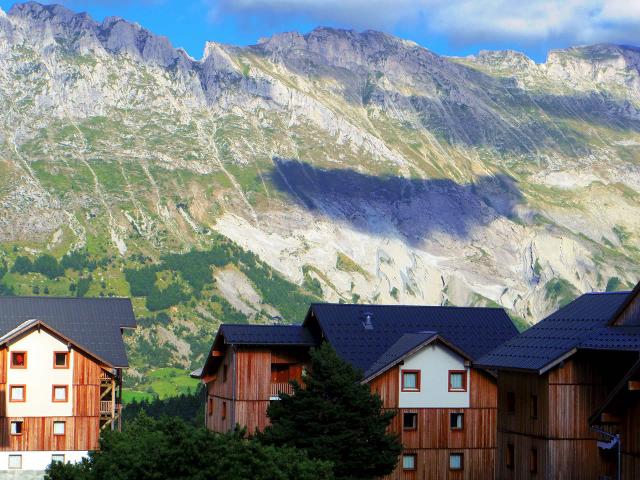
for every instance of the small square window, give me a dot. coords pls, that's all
(457, 381)
(17, 393)
(456, 461)
(15, 462)
(57, 457)
(534, 406)
(456, 421)
(60, 393)
(511, 402)
(18, 359)
(410, 421)
(409, 461)
(510, 456)
(410, 381)
(16, 427)
(61, 360)
(58, 428)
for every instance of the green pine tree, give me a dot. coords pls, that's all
(335, 418)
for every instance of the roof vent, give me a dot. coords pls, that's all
(366, 322)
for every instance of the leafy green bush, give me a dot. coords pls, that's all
(169, 448)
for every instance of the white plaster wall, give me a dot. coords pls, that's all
(39, 377)
(434, 362)
(39, 460)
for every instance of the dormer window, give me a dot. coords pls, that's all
(60, 359)
(18, 359)
(411, 380)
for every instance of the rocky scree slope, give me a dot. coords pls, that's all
(337, 165)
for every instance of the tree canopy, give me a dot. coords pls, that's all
(169, 448)
(335, 418)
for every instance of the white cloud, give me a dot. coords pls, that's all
(462, 21)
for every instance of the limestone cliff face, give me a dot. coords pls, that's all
(361, 161)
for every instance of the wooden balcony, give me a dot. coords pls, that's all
(277, 388)
(105, 407)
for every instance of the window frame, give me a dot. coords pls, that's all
(25, 356)
(210, 406)
(415, 423)
(64, 428)
(58, 455)
(533, 409)
(19, 456)
(66, 362)
(418, 380)
(461, 455)
(415, 462)
(53, 393)
(451, 427)
(510, 454)
(511, 403)
(464, 380)
(533, 460)
(21, 422)
(24, 393)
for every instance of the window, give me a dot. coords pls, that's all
(411, 380)
(15, 462)
(210, 406)
(224, 410)
(59, 393)
(58, 428)
(533, 461)
(509, 456)
(18, 359)
(457, 381)
(534, 406)
(409, 461)
(224, 373)
(17, 393)
(16, 427)
(60, 359)
(57, 457)
(456, 421)
(279, 373)
(456, 461)
(410, 421)
(511, 402)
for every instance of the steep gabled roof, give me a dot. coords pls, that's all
(475, 331)
(407, 345)
(93, 323)
(242, 334)
(582, 324)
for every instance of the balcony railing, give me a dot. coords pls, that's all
(277, 388)
(105, 407)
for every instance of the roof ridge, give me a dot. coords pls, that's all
(395, 305)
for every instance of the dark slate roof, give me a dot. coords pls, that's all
(266, 335)
(93, 324)
(475, 331)
(405, 344)
(580, 324)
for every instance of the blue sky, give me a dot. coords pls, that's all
(450, 27)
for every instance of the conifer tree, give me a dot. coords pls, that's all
(334, 417)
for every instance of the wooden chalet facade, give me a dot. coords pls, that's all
(418, 359)
(565, 380)
(61, 362)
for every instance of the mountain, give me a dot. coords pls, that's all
(334, 165)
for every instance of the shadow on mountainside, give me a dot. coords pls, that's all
(388, 206)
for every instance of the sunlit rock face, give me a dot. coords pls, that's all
(383, 171)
